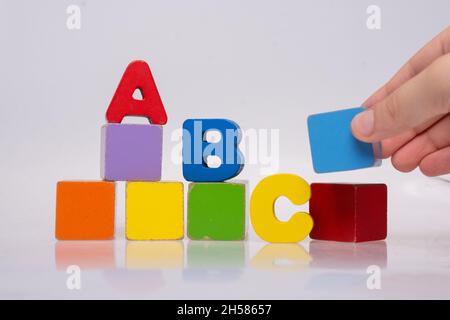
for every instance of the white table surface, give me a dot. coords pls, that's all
(263, 64)
(411, 267)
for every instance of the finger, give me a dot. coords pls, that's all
(391, 145)
(437, 163)
(438, 46)
(408, 157)
(419, 100)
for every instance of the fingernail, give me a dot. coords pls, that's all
(363, 123)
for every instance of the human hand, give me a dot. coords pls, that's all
(410, 114)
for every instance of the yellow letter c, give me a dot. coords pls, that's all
(262, 208)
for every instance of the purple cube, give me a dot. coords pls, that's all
(131, 152)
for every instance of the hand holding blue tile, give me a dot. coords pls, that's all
(333, 147)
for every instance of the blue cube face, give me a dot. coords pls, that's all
(333, 147)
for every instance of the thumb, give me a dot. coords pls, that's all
(424, 97)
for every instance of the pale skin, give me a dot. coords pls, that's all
(410, 114)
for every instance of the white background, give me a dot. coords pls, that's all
(264, 64)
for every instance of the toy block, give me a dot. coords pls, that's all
(262, 205)
(348, 212)
(196, 150)
(131, 152)
(154, 255)
(216, 211)
(333, 147)
(85, 210)
(137, 76)
(154, 210)
(88, 255)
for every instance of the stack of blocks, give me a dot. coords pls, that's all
(132, 153)
(216, 209)
(343, 211)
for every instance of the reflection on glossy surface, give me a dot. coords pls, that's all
(338, 283)
(85, 254)
(418, 268)
(214, 260)
(341, 255)
(135, 281)
(216, 254)
(154, 254)
(284, 257)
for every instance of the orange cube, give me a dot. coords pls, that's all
(85, 210)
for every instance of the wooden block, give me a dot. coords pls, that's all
(333, 147)
(154, 210)
(85, 210)
(348, 212)
(216, 211)
(137, 76)
(196, 149)
(131, 152)
(262, 204)
(154, 255)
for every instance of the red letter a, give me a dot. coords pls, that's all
(137, 76)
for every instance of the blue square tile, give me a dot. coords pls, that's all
(333, 147)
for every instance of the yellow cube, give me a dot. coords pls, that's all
(154, 210)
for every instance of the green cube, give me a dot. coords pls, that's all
(216, 211)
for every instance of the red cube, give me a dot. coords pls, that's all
(348, 212)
